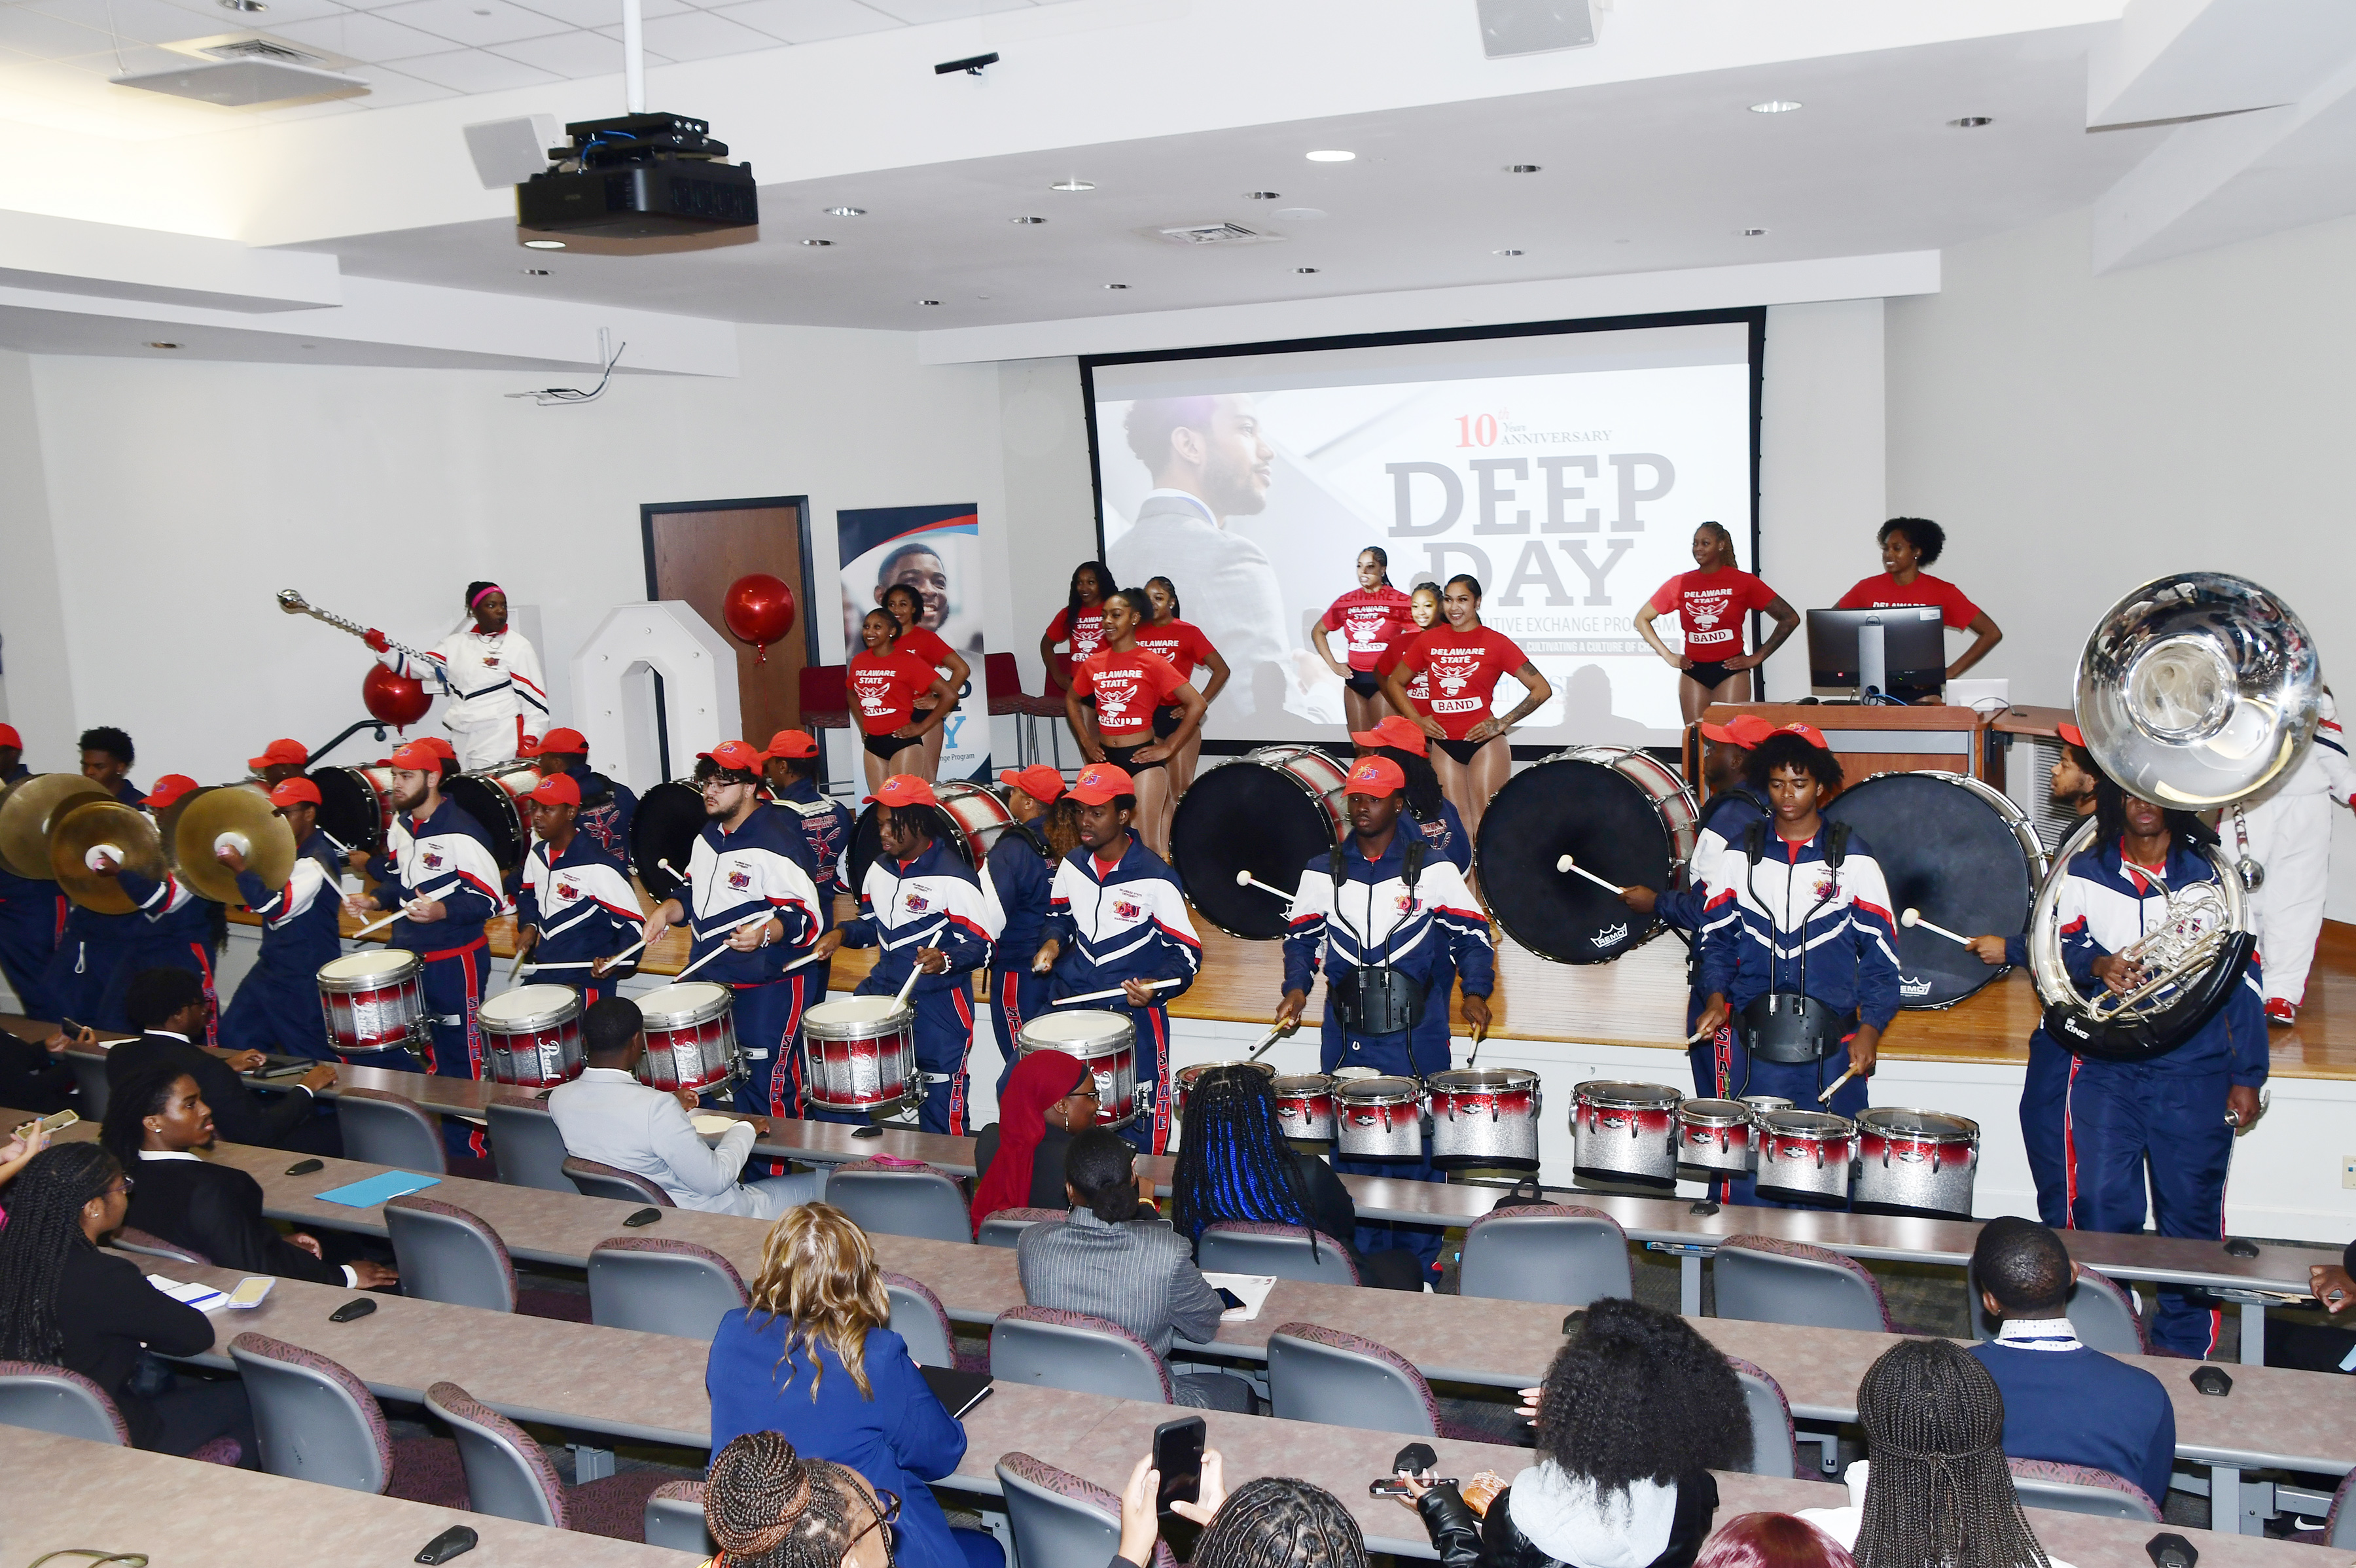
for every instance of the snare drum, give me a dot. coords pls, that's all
(497, 798)
(690, 1039)
(373, 1001)
(532, 1036)
(1485, 1116)
(1305, 1105)
(1188, 1077)
(1804, 1154)
(1105, 1042)
(1380, 1118)
(1714, 1135)
(1626, 1131)
(1916, 1161)
(859, 1053)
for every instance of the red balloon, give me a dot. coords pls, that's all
(760, 609)
(395, 699)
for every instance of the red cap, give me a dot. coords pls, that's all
(904, 790)
(736, 755)
(417, 757)
(281, 753)
(793, 743)
(557, 790)
(1404, 734)
(9, 736)
(571, 742)
(2072, 734)
(1745, 730)
(1375, 776)
(1808, 733)
(168, 789)
(293, 792)
(1039, 781)
(1101, 781)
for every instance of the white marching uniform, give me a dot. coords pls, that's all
(498, 695)
(2288, 832)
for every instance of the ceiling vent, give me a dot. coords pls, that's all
(1216, 235)
(241, 69)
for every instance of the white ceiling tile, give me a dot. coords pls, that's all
(212, 19)
(601, 13)
(44, 36)
(132, 60)
(478, 23)
(698, 35)
(389, 89)
(919, 11)
(807, 21)
(364, 37)
(142, 21)
(475, 71)
(574, 55)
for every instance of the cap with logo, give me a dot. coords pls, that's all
(793, 743)
(1376, 776)
(557, 790)
(282, 753)
(1101, 781)
(168, 789)
(1404, 734)
(571, 742)
(1808, 733)
(904, 790)
(1039, 781)
(418, 757)
(1745, 730)
(295, 793)
(736, 755)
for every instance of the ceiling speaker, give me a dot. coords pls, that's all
(1534, 27)
(510, 152)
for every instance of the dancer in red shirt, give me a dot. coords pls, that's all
(1182, 643)
(1909, 544)
(885, 686)
(1128, 683)
(906, 609)
(1710, 602)
(1423, 614)
(1374, 616)
(1079, 623)
(1463, 660)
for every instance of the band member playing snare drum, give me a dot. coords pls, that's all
(575, 904)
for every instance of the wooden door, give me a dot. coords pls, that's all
(696, 548)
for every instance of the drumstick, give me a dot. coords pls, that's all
(1245, 879)
(1261, 1049)
(907, 985)
(719, 948)
(1116, 991)
(1915, 918)
(1567, 864)
(397, 914)
(1829, 1093)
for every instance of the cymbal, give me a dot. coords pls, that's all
(245, 816)
(128, 833)
(29, 810)
(171, 816)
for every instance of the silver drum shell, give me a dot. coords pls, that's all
(1916, 1161)
(1626, 1131)
(1380, 1119)
(1485, 1116)
(1715, 1136)
(1805, 1154)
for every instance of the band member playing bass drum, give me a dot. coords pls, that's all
(277, 1004)
(1386, 920)
(576, 904)
(1021, 866)
(1710, 602)
(498, 694)
(1797, 943)
(1465, 661)
(2168, 1121)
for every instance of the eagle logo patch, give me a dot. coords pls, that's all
(433, 859)
(1127, 908)
(739, 878)
(917, 903)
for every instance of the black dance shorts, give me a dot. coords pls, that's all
(1167, 720)
(888, 746)
(1122, 756)
(1709, 677)
(1366, 682)
(1463, 751)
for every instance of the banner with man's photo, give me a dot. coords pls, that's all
(936, 552)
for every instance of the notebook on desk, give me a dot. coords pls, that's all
(958, 1392)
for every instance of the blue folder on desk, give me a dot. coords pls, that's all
(377, 1188)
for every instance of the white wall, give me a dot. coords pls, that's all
(1050, 498)
(33, 684)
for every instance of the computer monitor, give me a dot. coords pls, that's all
(1898, 652)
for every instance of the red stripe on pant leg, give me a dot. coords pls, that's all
(476, 1145)
(957, 1073)
(785, 1053)
(212, 999)
(2070, 1151)
(1160, 1021)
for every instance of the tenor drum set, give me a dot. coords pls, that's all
(1106, 1044)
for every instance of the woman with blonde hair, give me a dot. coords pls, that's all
(812, 1360)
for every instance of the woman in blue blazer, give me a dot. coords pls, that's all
(811, 1358)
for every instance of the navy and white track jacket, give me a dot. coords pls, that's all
(581, 901)
(1761, 918)
(1023, 879)
(933, 901)
(1372, 918)
(607, 808)
(825, 827)
(299, 932)
(1723, 822)
(733, 877)
(1125, 922)
(446, 857)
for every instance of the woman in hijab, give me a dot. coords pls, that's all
(1048, 1097)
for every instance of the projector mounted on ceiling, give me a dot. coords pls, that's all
(238, 70)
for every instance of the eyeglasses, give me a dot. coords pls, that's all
(122, 1184)
(886, 1515)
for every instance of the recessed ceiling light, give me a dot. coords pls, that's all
(543, 244)
(162, 345)
(1073, 185)
(534, 272)
(818, 242)
(1026, 220)
(1305, 269)
(1972, 122)
(1266, 195)
(1331, 156)
(248, 6)
(1505, 253)
(846, 212)
(1521, 168)
(1776, 106)
(1751, 233)
(1116, 285)
(928, 301)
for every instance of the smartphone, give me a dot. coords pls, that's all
(1393, 1487)
(251, 1290)
(1228, 1298)
(58, 1121)
(1178, 1456)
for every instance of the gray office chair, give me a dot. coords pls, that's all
(507, 1473)
(42, 1398)
(2339, 1523)
(593, 1180)
(2081, 1488)
(1763, 1279)
(89, 1077)
(1286, 1251)
(383, 1129)
(446, 1253)
(316, 1421)
(1048, 1348)
(1340, 1379)
(130, 1239)
(1061, 1521)
(662, 1286)
(1005, 1228)
(526, 1147)
(675, 1519)
(1561, 1252)
(901, 1201)
(1774, 1443)
(918, 1317)
(2101, 1312)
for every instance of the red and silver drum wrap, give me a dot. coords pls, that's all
(1105, 1042)
(1485, 1116)
(690, 1037)
(1380, 1118)
(373, 1001)
(532, 1036)
(1714, 1135)
(1188, 1077)
(1305, 1105)
(1916, 1161)
(1804, 1154)
(1626, 1131)
(859, 1053)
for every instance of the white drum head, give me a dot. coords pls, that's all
(1076, 1024)
(360, 968)
(685, 1001)
(1353, 1074)
(853, 1010)
(528, 1004)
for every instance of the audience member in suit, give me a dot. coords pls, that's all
(32, 1076)
(167, 1006)
(768, 1507)
(608, 1116)
(1113, 1258)
(1233, 1164)
(157, 1119)
(1042, 1106)
(2062, 1402)
(63, 1303)
(812, 1360)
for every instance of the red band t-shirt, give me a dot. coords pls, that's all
(884, 688)
(1710, 606)
(1421, 687)
(1181, 642)
(1882, 592)
(1463, 670)
(1373, 618)
(1128, 687)
(1085, 635)
(925, 647)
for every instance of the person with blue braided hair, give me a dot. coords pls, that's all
(1233, 1164)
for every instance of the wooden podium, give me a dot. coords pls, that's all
(1877, 739)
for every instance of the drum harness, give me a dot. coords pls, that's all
(1377, 999)
(1785, 1026)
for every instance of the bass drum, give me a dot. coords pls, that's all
(971, 816)
(1961, 853)
(495, 798)
(1269, 813)
(355, 805)
(1619, 814)
(668, 818)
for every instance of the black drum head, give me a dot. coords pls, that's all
(668, 818)
(867, 843)
(499, 814)
(1243, 816)
(349, 810)
(1605, 822)
(1946, 851)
